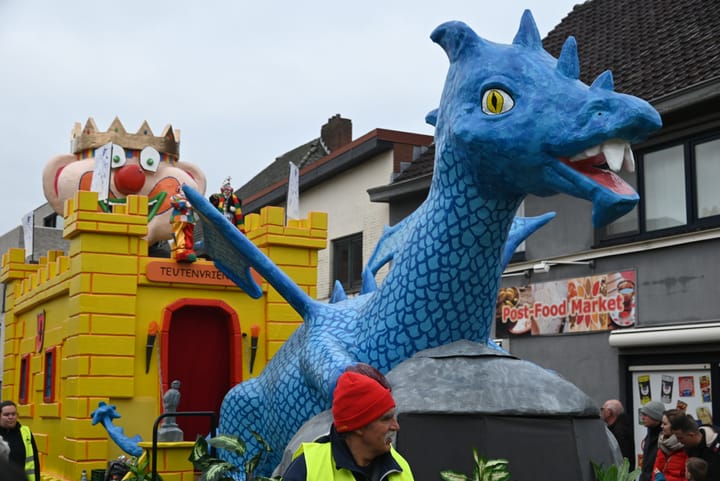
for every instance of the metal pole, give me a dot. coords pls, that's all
(213, 432)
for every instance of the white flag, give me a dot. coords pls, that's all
(28, 226)
(101, 175)
(293, 195)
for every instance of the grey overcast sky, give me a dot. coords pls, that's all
(243, 81)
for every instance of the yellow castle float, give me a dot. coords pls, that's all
(107, 323)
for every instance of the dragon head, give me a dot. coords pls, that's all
(521, 122)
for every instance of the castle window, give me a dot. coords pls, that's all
(49, 378)
(24, 393)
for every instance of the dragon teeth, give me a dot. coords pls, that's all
(614, 151)
(587, 153)
(629, 159)
(618, 155)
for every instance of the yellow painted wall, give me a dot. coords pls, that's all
(98, 304)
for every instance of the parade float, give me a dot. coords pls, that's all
(107, 324)
(512, 121)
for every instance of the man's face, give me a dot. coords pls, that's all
(605, 413)
(8, 417)
(647, 421)
(688, 439)
(377, 436)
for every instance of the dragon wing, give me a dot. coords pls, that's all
(234, 254)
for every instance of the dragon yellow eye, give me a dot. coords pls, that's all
(496, 101)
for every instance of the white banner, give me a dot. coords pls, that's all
(101, 175)
(293, 195)
(28, 225)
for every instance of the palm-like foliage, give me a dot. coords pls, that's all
(614, 473)
(138, 470)
(484, 470)
(215, 469)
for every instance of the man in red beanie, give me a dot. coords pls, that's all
(359, 446)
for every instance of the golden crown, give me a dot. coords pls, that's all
(89, 137)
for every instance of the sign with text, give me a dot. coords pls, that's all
(583, 304)
(194, 273)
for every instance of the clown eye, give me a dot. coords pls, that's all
(149, 159)
(496, 101)
(117, 156)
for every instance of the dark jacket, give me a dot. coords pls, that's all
(17, 448)
(385, 463)
(624, 435)
(709, 450)
(650, 447)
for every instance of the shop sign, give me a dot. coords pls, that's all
(583, 304)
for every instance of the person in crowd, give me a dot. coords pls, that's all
(4, 450)
(700, 442)
(613, 413)
(23, 450)
(10, 472)
(359, 445)
(671, 456)
(651, 416)
(696, 469)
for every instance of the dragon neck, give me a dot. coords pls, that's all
(443, 284)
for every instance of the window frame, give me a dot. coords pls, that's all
(693, 221)
(354, 281)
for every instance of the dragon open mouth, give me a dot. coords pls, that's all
(600, 163)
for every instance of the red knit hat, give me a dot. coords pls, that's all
(359, 400)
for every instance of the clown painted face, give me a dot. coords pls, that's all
(134, 172)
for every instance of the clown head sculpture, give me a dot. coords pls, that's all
(141, 164)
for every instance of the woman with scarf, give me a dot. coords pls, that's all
(671, 456)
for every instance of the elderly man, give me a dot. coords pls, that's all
(359, 446)
(613, 414)
(700, 442)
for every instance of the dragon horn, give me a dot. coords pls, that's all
(569, 64)
(604, 81)
(456, 38)
(528, 34)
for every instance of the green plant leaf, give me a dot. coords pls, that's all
(452, 476)
(262, 442)
(218, 472)
(199, 450)
(228, 443)
(252, 465)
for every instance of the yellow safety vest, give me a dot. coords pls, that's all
(320, 464)
(29, 453)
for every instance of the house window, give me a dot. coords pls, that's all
(49, 378)
(23, 396)
(678, 193)
(54, 220)
(707, 175)
(347, 261)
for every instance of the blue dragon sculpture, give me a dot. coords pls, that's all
(512, 121)
(104, 414)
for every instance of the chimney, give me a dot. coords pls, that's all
(336, 132)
